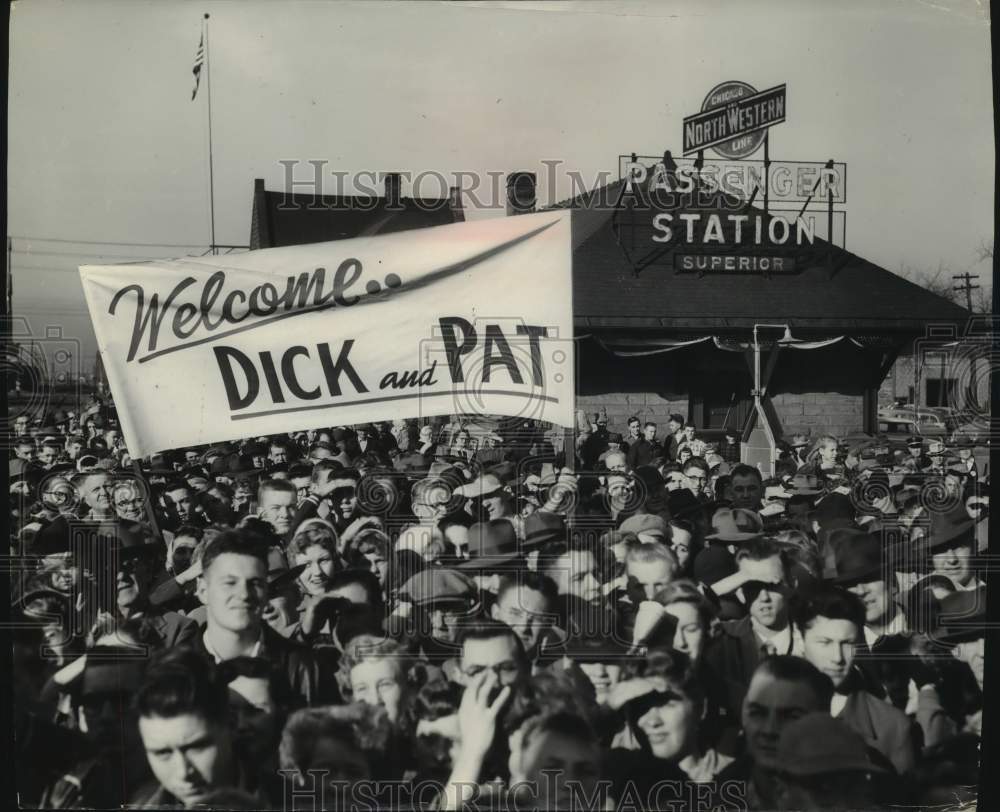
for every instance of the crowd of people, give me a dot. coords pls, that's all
(410, 616)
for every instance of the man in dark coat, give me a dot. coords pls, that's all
(234, 588)
(644, 451)
(831, 621)
(766, 630)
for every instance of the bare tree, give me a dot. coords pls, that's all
(941, 281)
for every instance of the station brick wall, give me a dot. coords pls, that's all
(814, 413)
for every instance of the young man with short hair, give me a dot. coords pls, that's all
(675, 435)
(831, 621)
(762, 575)
(277, 453)
(176, 503)
(183, 710)
(696, 473)
(782, 689)
(747, 486)
(573, 568)
(48, 454)
(649, 568)
(526, 601)
(644, 450)
(276, 505)
(634, 433)
(492, 646)
(233, 586)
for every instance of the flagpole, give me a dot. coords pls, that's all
(211, 161)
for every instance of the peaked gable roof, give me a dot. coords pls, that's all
(842, 291)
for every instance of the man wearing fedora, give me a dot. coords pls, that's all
(136, 563)
(950, 544)
(959, 627)
(488, 499)
(866, 567)
(494, 552)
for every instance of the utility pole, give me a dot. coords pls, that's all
(968, 287)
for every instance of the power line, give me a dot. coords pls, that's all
(29, 253)
(113, 242)
(968, 287)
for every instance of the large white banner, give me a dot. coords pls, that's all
(466, 318)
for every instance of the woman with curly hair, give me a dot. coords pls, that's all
(370, 549)
(315, 546)
(380, 671)
(341, 745)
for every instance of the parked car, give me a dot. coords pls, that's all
(910, 421)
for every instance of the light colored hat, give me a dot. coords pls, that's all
(486, 485)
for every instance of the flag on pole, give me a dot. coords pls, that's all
(199, 59)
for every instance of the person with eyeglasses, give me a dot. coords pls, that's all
(492, 647)
(696, 474)
(94, 519)
(58, 497)
(129, 500)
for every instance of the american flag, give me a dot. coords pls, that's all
(199, 60)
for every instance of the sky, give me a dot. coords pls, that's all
(108, 154)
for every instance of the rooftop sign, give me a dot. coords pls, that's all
(734, 119)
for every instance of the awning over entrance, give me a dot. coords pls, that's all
(841, 364)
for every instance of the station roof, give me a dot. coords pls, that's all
(280, 219)
(832, 290)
